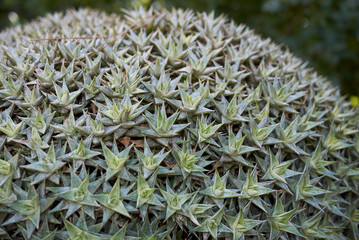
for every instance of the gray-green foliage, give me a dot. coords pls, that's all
(169, 125)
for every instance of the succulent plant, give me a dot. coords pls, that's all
(162, 124)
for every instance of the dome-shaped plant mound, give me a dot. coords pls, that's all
(169, 125)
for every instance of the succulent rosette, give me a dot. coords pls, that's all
(159, 124)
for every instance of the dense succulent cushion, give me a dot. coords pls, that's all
(169, 125)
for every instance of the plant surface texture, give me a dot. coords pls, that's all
(162, 124)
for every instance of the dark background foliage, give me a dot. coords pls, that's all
(324, 32)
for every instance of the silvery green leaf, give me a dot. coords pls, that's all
(333, 144)
(77, 233)
(115, 160)
(218, 190)
(233, 146)
(163, 86)
(172, 52)
(47, 162)
(81, 150)
(310, 227)
(205, 131)
(29, 207)
(123, 112)
(11, 89)
(145, 194)
(64, 98)
(187, 160)
(6, 193)
(258, 134)
(150, 160)
(279, 171)
(305, 189)
(239, 225)
(10, 128)
(174, 201)
(69, 125)
(317, 164)
(161, 125)
(113, 200)
(78, 193)
(232, 111)
(8, 166)
(40, 121)
(120, 234)
(251, 189)
(212, 224)
(279, 220)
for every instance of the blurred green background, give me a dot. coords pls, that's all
(323, 32)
